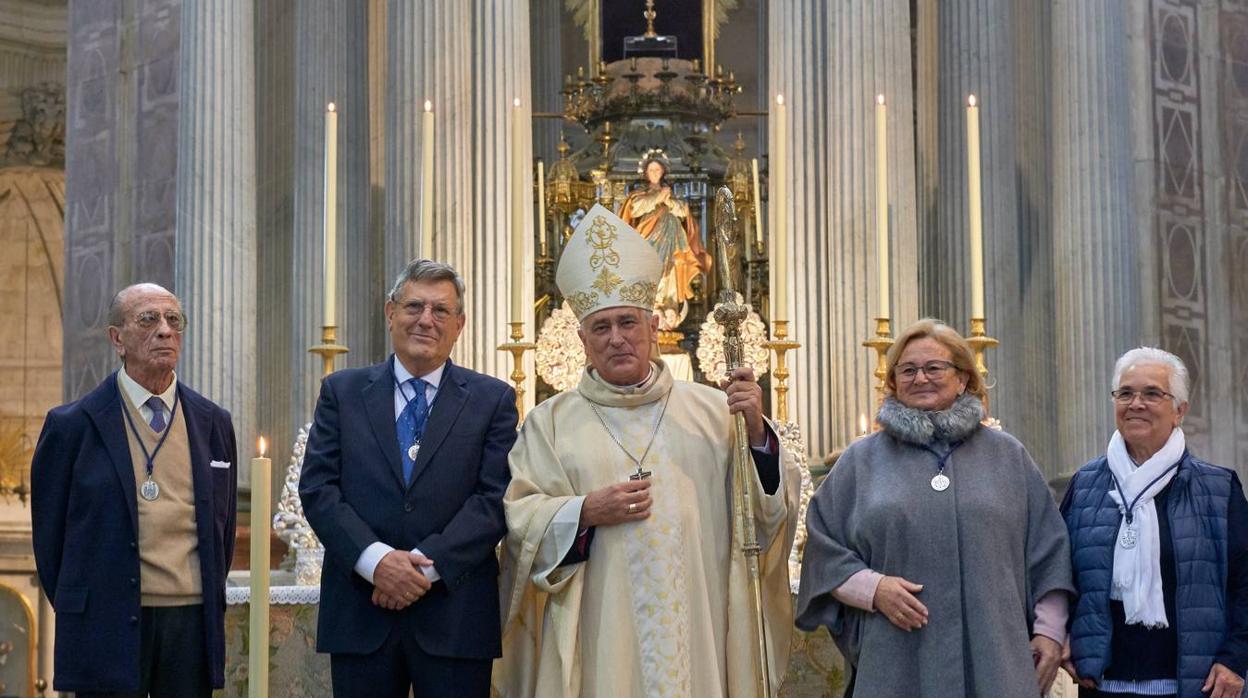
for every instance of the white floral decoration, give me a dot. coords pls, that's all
(711, 346)
(560, 356)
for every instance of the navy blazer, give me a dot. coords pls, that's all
(85, 523)
(354, 495)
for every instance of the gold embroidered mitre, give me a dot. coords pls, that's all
(607, 264)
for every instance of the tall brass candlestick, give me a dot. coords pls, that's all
(980, 343)
(328, 348)
(517, 349)
(881, 342)
(781, 345)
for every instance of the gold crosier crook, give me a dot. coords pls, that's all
(730, 313)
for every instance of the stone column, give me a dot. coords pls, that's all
(972, 43)
(497, 72)
(215, 260)
(830, 61)
(120, 190)
(331, 65)
(1094, 228)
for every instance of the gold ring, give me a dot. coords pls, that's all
(632, 508)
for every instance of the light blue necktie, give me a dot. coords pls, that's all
(158, 413)
(411, 424)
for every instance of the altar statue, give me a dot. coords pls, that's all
(664, 221)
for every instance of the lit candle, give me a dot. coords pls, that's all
(517, 214)
(862, 424)
(975, 208)
(258, 657)
(541, 205)
(426, 182)
(881, 201)
(779, 234)
(330, 212)
(758, 206)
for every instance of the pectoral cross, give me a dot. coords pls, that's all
(640, 474)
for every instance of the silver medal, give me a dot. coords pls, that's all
(149, 490)
(1128, 538)
(413, 450)
(940, 482)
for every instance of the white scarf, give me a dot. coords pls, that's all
(1137, 570)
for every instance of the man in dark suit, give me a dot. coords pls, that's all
(132, 511)
(403, 481)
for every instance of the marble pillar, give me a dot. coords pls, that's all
(1094, 227)
(275, 155)
(215, 257)
(331, 64)
(548, 75)
(120, 166)
(830, 61)
(970, 47)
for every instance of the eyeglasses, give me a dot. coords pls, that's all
(149, 319)
(1150, 396)
(440, 312)
(934, 370)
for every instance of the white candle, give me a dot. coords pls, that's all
(517, 214)
(881, 201)
(541, 205)
(779, 232)
(758, 206)
(330, 212)
(975, 207)
(258, 654)
(426, 182)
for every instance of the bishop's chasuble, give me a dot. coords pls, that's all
(661, 606)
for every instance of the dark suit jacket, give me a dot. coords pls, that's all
(85, 526)
(353, 495)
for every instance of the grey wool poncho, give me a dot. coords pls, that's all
(986, 549)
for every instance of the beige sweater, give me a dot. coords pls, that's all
(168, 541)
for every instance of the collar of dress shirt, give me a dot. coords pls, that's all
(138, 395)
(433, 378)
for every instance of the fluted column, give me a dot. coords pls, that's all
(215, 272)
(973, 43)
(830, 60)
(331, 65)
(1094, 228)
(482, 251)
(416, 53)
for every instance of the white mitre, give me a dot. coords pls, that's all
(607, 264)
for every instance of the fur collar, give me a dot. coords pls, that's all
(924, 427)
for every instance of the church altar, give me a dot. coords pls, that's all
(297, 671)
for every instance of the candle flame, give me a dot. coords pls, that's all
(428, 105)
(862, 423)
(261, 446)
(780, 100)
(330, 107)
(879, 99)
(971, 101)
(515, 102)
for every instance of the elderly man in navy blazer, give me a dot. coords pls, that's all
(132, 509)
(403, 481)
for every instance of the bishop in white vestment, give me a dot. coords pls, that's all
(621, 574)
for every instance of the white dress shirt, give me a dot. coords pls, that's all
(138, 395)
(367, 563)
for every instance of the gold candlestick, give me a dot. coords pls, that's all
(781, 345)
(980, 342)
(329, 348)
(881, 342)
(517, 349)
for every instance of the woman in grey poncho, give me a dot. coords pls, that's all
(935, 554)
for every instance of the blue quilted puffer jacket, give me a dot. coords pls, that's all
(1197, 506)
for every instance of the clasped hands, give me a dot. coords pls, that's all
(631, 500)
(398, 581)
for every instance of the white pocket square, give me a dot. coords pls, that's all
(219, 464)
